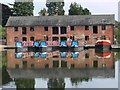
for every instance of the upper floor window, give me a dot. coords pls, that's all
(95, 29)
(103, 27)
(15, 28)
(23, 30)
(63, 30)
(46, 28)
(86, 27)
(55, 30)
(72, 28)
(31, 29)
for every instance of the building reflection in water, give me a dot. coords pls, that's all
(57, 65)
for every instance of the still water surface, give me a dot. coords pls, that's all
(60, 69)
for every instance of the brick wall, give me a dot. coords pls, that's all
(39, 33)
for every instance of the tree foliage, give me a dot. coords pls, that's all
(55, 7)
(2, 32)
(23, 8)
(76, 9)
(42, 12)
(6, 12)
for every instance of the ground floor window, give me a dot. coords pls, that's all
(55, 38)
(46, 38)
(86, 38)
(63, 38)
(24, 39)
(31, 38)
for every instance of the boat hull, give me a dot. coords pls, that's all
(103, 47)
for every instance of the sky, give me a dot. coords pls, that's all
(95, 6)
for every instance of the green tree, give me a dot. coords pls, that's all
(2, 32)
(76, 9)
(42, 12)
(6, 12)
(23, 8)
(55, 8)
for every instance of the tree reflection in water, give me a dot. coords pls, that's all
(25, 83)
(75, 81)
(54, 83)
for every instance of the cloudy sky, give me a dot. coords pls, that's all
(95, 6)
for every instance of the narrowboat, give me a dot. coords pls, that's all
(103, 44)
(103, 54)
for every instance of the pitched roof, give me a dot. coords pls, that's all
(60, 20)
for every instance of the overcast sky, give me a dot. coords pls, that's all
(95, 6)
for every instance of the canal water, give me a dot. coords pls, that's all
(60, 69)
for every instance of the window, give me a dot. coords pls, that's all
(63, 38)
(86, 27)
(46, 38)
(103, 37)
(15, 39)
(95, 29)
(72, 65)
(46, 28)
(31, 29)
(103, 27)
(46, 65)
(63, 63)
(23, 30)
(72, 38)
(31, 38)
(72, 28)
(55, 38)
(86, 55)
(24, 64)
(55, 30)
(24, 39)
(32, 65)
(16, 66)
(15, 28)
(55, 64)
(95, 64)
(86, 38)
(63, 30)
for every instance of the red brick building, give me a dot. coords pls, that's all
(86, 28)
